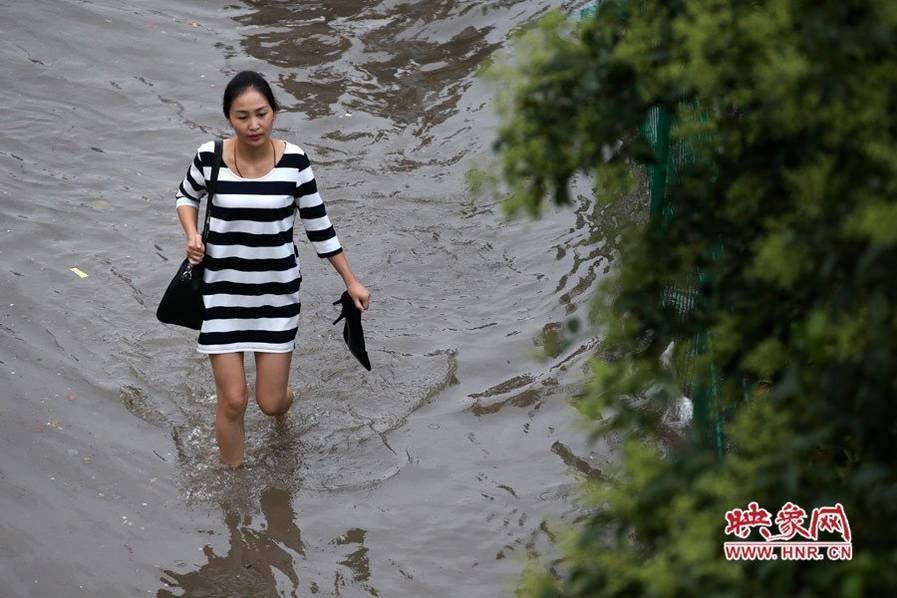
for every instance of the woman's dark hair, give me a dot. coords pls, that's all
(243, 81)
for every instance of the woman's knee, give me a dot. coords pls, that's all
(275, 404)
(233, 401)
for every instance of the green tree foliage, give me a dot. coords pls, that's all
(788, 109)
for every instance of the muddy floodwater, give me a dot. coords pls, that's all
(436, 473)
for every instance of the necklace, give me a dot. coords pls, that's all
(237, 168)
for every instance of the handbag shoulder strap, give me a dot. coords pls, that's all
(211, 184)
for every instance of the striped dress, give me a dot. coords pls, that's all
(252, 276)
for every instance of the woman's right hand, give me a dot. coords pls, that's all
(195, 248)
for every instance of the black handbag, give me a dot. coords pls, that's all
(182, 302)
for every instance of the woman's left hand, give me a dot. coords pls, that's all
(360, 294)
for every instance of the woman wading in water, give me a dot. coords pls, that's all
(252, 276)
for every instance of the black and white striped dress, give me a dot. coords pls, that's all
(252, 273)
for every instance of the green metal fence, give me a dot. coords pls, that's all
(698, 376)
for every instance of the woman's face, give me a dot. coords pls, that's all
(252, 118)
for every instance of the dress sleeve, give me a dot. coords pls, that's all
(193, 188)
(313, 214)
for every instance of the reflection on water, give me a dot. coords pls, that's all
(256, 554)
(253, 555)
(356, 561)
(265, 553)
(265, 556)
(408, 63)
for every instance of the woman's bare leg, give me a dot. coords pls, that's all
(272, 383)
(233, 395)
